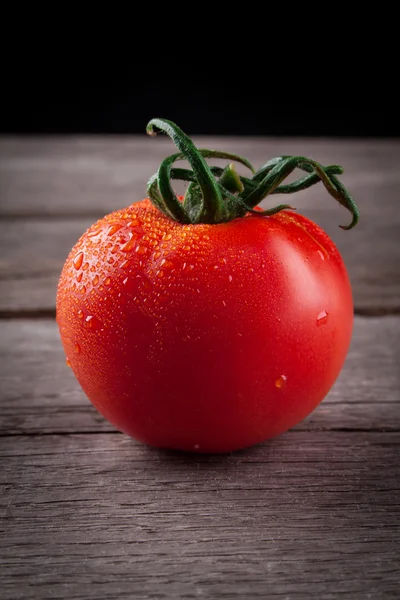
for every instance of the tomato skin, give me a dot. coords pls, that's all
(207, 338)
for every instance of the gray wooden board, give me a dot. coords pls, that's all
(32, 254)
(43, 179)
(307, 516)
(80, 175)
(39, 393)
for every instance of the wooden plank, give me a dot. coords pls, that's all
(32, 254)
(39, 394)
(307, 516)
(77, 175)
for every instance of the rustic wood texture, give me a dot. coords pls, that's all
(45, 397)
(43, 180)
(307, 516)
(87, 513)
(77, 176)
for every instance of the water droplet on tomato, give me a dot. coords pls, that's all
(85, 266)
(92, 322)
(113, 229)
(321, 255)
(79, 277)
(107, 281)
(167, 264)
(95, 280)
(83, 290)
(160, 273)
(187, 248)
(78, 260)
(129, 284)
(130, 243)
(167, 237)
(280, 382)
(94, 233)
(80, 314)
(141, 249)
(68, 362)
(77, 348)
(322, 318)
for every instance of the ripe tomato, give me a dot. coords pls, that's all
(204, 337)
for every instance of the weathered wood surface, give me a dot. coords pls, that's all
(32, 253)
(77, 176)
(40, 393)
(46, 179)
(86, 513)
(307, 516)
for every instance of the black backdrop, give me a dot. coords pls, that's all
(48, 105)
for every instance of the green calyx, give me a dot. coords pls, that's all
(216, 195)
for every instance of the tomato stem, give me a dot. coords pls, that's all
(217, 195)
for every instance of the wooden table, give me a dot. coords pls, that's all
(89, 513)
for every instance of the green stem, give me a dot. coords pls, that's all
(230, 180)
(213, 206)
(216, 195)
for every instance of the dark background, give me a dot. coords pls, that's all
(42, 103)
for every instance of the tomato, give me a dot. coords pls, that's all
(206, 337)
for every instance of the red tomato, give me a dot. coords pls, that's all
(206, 337)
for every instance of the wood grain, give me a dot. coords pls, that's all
(32, 253)
(76, 175)
(39, 393)
(306, 516)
